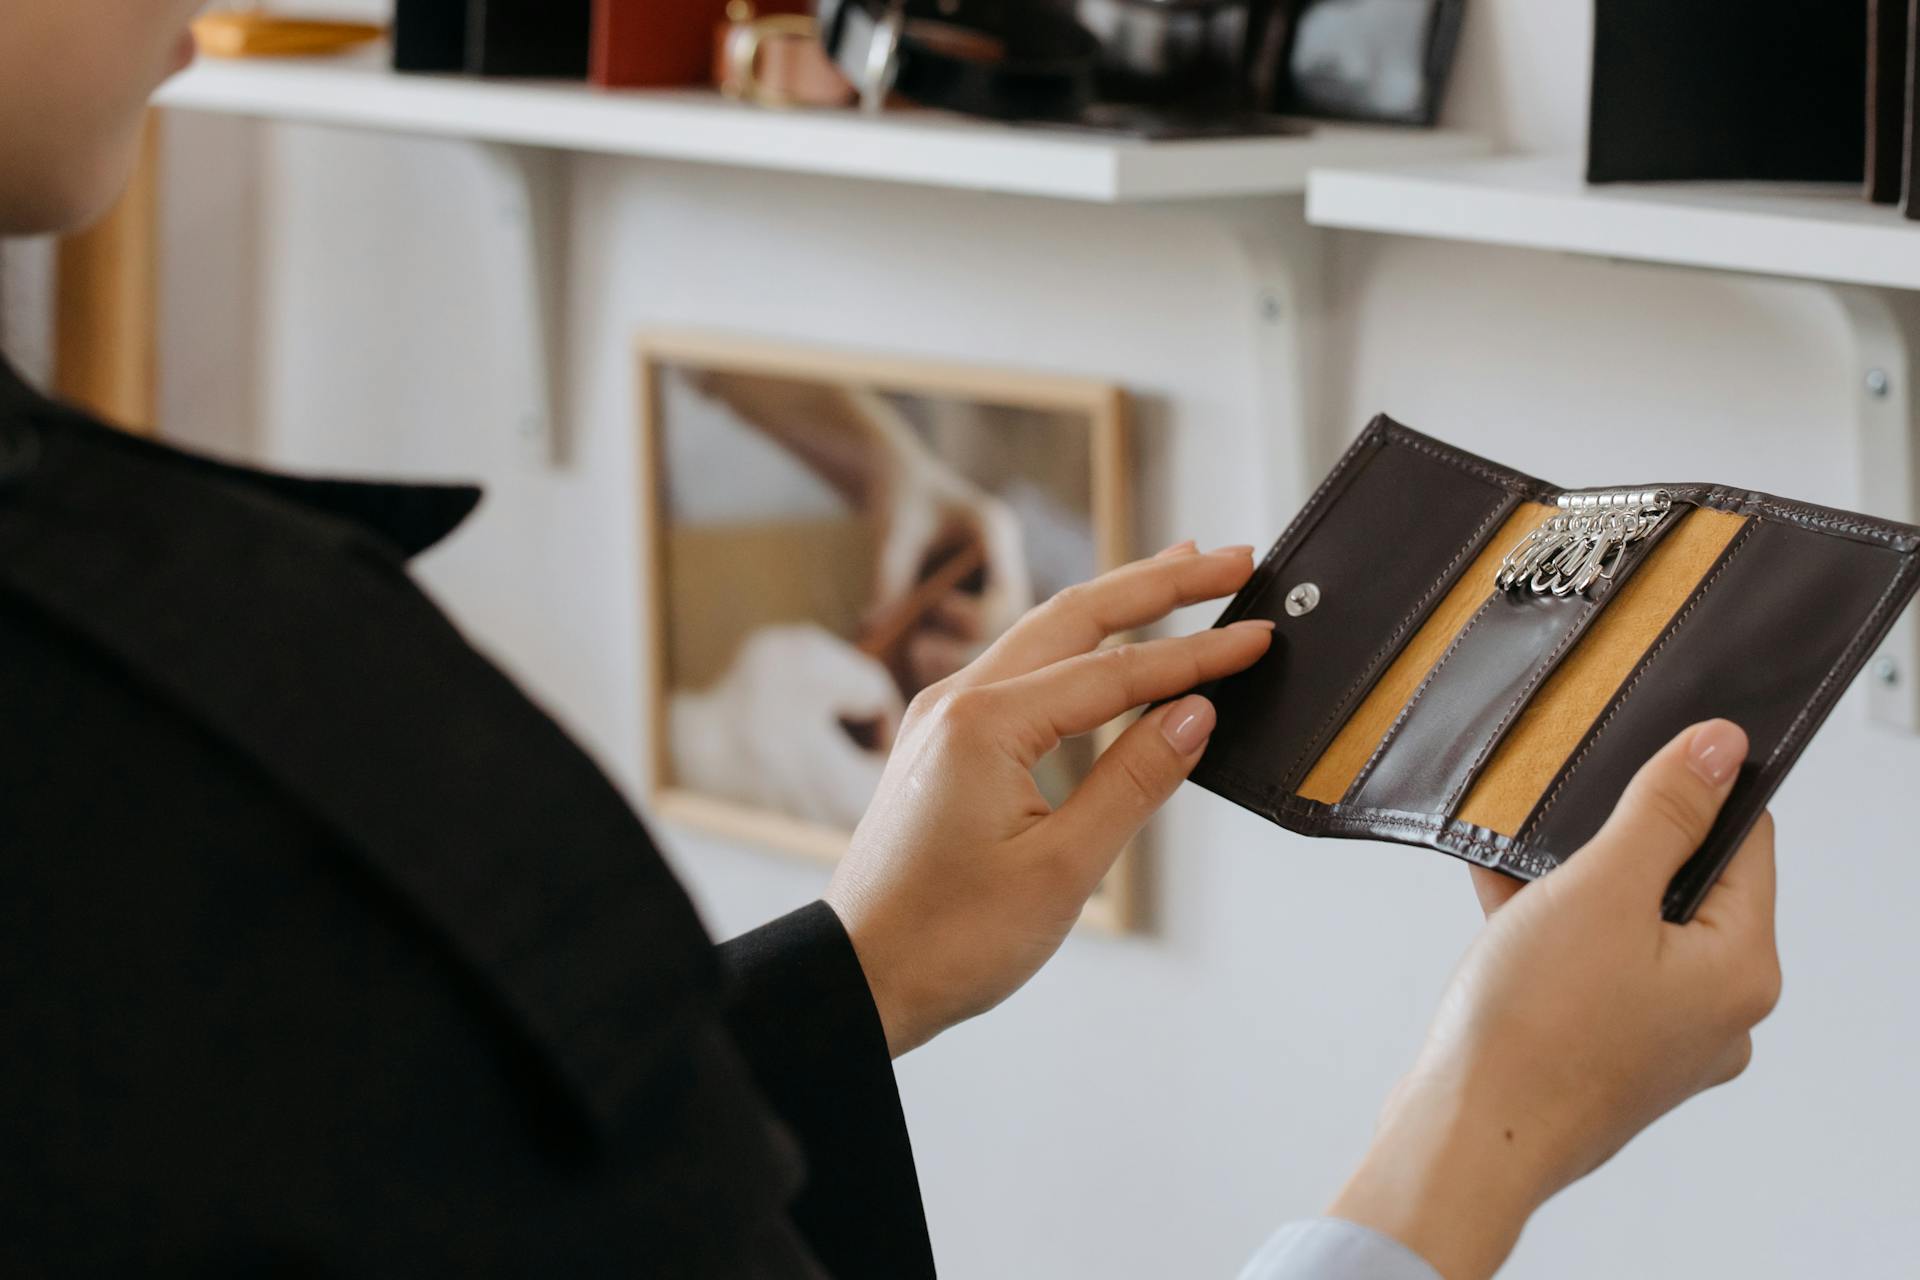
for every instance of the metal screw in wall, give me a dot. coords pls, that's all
(1887, 671)
(1878, 383)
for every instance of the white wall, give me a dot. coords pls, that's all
(1149, 1107)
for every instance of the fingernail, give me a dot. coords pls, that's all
(1717, 752)
(1237, 553)
(1186, 548)
(1188, 725)
(1252, 624)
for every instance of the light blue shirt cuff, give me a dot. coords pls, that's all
(1330, 1249)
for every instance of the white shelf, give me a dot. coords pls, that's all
(1823, 233)
(924, 149)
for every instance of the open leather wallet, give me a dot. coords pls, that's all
(1475, 661)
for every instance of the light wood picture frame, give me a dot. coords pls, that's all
(822, 534)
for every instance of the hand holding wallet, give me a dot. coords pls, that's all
(1473, 660)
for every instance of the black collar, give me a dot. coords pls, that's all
(409, 517)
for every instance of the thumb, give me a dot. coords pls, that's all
(1131, 780)
(1670, 806)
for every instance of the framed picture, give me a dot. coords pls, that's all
(825, 535)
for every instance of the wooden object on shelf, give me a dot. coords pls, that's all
(106, 304)
(254, 33)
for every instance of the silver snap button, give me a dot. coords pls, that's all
(1302, 600)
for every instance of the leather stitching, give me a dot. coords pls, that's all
(1640, 673)
(1310, 817)
(1512, 481)
(1867, 632)
(1595, 602)
(1897, 536)
(1394, 641)
(1376, 433)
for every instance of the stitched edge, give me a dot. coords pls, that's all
(1260, 797)
(1395, 641)
(1898, 537)
(1640, 673)
(1290, 539)
(1869, 632)
(1400, 721)
(1692, 882)
(1375, 434)
(1311, 818)
(1512, 481)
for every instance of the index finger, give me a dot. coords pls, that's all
(1080, 619)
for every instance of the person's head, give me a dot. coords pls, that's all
(75, 76)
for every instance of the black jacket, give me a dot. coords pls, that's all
(324, 952)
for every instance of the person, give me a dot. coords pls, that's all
(325, 952)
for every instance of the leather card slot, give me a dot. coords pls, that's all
(1407, 521)
(1340, 764)
(1462, 712)
(1555, 721)
(1749, 632)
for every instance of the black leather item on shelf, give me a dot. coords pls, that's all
(1377, 60)
(1416, 694)
(1765, 90)
(529, 38)
(430, 35)
(1007, 59)
(1888, 52)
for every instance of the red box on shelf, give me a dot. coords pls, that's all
(659, 44)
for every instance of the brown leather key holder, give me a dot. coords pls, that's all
(1473, 660)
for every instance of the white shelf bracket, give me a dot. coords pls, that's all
(1283, 308)
(1886, 333)
(528, 201)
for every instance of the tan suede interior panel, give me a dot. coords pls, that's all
(1350, 750)
(1557, 720)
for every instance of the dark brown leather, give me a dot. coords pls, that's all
(1464, 706)
(1282, 712)
(1468, 703)
(1770, 643)
(1770, 637)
